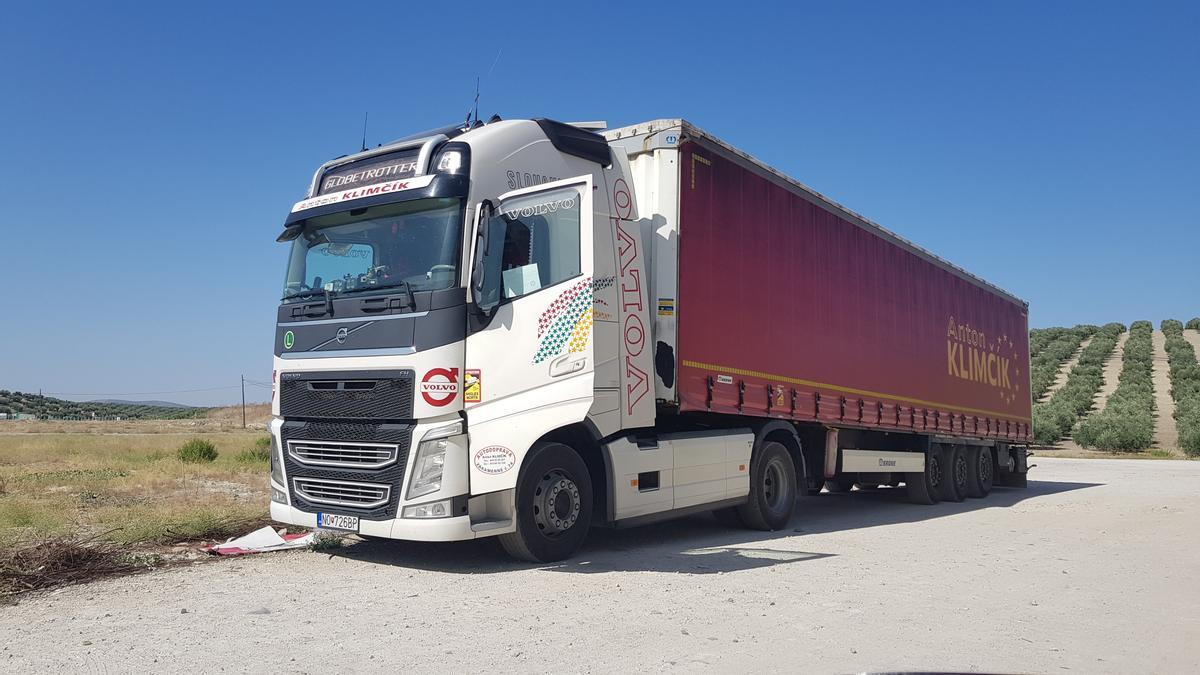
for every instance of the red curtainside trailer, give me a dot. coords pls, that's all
(792, 306)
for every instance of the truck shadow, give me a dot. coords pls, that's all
(699, 544)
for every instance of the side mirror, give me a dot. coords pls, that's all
(480, 283)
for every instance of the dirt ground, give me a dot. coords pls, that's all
(1089, 570)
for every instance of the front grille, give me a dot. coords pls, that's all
(343, 453)
(296, 433)
(341, 493)
(364, 395)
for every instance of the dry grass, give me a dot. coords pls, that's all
(44, 563)
(128, 487)
(77, 506)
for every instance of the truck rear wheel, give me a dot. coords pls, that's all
(772, 489)
(925, 487)
(554, 505)
(954, 487)
(980, 476)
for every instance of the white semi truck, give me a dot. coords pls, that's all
(524, 328)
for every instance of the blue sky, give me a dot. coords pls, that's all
(150, 153)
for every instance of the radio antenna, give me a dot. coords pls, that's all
(474, 111)
(364, 139)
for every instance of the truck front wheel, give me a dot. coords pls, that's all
(554, 505)
(772, 489)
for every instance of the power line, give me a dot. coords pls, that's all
(144, 393)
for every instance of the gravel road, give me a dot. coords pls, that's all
(1091, 569)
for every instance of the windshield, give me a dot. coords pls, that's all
(415, 243)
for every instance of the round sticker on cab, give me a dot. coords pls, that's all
(495, 459)
(440, 386)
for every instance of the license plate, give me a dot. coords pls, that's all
(332, 521)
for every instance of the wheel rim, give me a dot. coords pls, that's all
(985, 468)
(775, 486)
(960, 470)
(935, 471)
(556, 503)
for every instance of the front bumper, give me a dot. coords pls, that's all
(412, 529)
(485, 516)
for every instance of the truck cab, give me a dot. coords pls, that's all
(453, 301)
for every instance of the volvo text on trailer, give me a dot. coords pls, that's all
(524, 328)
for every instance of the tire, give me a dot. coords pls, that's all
(954, 487)
(839, 485)
(981, 474)
(772, 497)
(554, 505)
(925, 487)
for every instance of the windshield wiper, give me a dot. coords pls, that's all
(408, 290)
(304, 294)
(314, 292)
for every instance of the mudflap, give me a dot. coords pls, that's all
(1012, 468)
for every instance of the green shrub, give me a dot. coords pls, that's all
(197, 451)
(1127, 422)
(1185, 387)
(1053, 419)
(1050, 348)
(260, 453)
(1194, 323)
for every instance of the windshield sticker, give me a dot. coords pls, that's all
(566, 322)
(472, 386)
(289, 339)
(358, 193)
(440, 386)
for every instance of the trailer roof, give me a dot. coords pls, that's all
(690, 130)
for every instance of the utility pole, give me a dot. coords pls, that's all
(243, 401)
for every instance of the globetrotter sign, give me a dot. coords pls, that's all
(389, 167)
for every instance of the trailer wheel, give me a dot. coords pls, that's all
(772, 489)
(958, 469)
(980, 476)
(925, 487)
(839, 484)
(554, 505)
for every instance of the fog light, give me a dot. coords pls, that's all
(431, 510)
(278, 496)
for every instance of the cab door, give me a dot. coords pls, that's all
(530, 357)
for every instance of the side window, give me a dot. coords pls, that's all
(331, 263)
(540, 240)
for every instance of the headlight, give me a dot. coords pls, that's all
(431, 459)
(276, 462)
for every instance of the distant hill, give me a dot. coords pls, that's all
(152, 404)
(48, 407)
